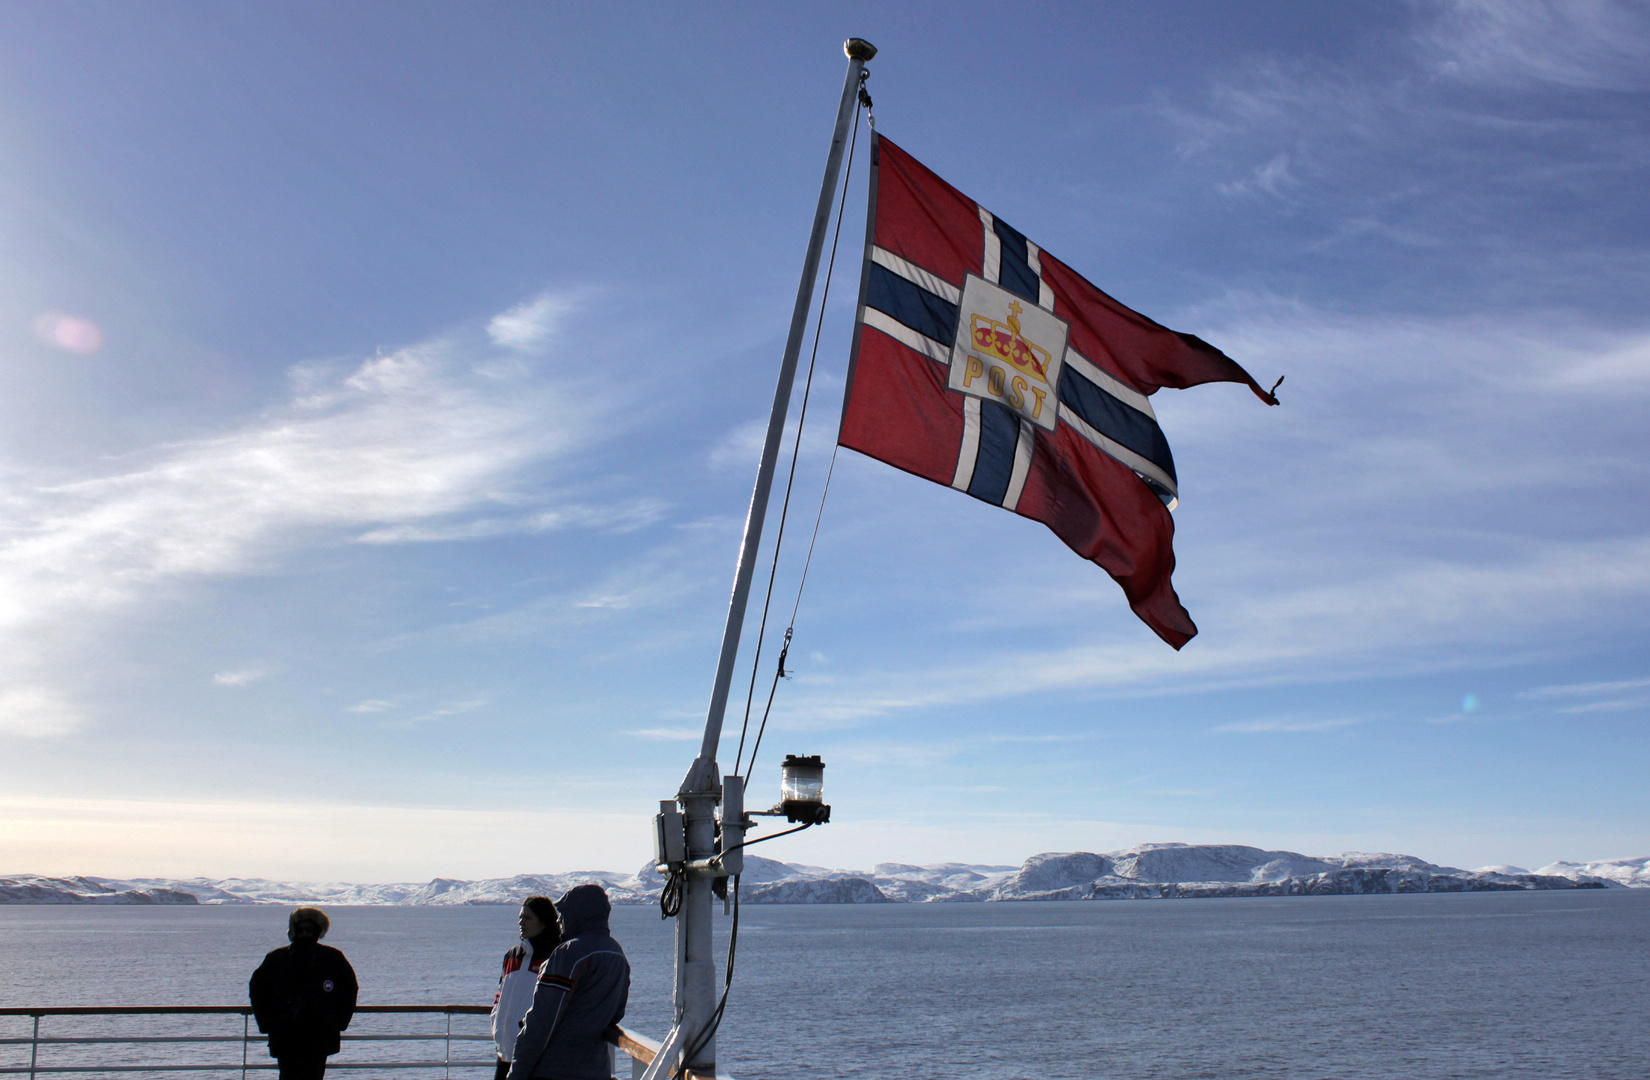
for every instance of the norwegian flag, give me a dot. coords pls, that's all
(983, 363)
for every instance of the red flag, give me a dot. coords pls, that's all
(983, 363)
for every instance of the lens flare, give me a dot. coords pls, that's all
(1469, 703)
(69, 333)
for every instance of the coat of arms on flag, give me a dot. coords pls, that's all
(982, 362)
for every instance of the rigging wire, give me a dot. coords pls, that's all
(790, 480)
(806, 563)
(771, 836)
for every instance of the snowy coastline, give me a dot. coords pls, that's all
(1146, 871)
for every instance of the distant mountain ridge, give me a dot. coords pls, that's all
(1145, 871)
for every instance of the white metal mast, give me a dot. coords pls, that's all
(696, 991)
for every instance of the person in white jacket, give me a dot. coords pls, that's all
(540, 934)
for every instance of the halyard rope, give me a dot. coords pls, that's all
(790, 480)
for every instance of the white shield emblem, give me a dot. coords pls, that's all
(1008, 350)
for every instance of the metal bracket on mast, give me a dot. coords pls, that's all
(696, 994)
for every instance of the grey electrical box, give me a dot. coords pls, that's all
(669, 835)
(733, 826)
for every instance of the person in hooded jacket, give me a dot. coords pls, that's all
(582, 991)
(303, 995)
(540, 934)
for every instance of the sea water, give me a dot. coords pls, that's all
(1509, 985)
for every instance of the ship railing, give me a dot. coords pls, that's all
(643, 1050)
(53, 1052)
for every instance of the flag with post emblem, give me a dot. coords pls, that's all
(982, 362)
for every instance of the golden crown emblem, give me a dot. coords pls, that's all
(1003, 341)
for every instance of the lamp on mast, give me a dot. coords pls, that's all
(802, 790)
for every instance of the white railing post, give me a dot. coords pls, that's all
(246, 1040)
(665, 1057)
(34, 1046)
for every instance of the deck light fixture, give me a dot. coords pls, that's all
(802, 789)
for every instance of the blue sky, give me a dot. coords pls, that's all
(383, 385)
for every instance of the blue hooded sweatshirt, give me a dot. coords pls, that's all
(581, 992)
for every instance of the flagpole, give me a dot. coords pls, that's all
(695, 966)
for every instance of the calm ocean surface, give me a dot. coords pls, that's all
(1537, 985)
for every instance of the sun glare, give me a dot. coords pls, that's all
(69, 333)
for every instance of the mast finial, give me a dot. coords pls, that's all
(859, 49)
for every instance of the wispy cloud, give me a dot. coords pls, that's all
(1616, 696)
(402, 436)
(935, 752)
(1265, 727)
(661, 578)
(619, 518)
(1585, 689)
(1585, 44)
(394, 443)
(1450, 143)
(371, 705)
(1607, 368)
(742, 447)
(1272, 178)
(672, 734)
(37, 712)
(442, 712)
(1429, 618)
(1612, 705)
(242, 677)
(1421, 406)
(1269, 100)
(532, 324)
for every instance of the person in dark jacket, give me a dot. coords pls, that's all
(303, 995)
(582, 991)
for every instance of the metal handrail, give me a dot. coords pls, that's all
(35, 1040)
(638, 1047)
(245, 1010)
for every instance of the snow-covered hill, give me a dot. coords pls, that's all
(1188, 870)
(831, 890)
(33, 889)
(1631, 872)
(1146, 871)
